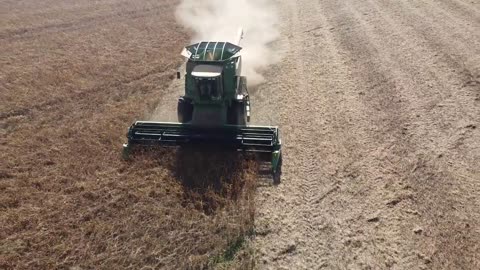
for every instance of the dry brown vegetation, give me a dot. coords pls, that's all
(74, 75)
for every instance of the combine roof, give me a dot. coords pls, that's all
(211, 51)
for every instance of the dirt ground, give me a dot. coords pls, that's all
(378, 102)
(379, 107)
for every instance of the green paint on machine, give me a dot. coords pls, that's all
(215, 109)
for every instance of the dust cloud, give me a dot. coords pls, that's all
(220, 20)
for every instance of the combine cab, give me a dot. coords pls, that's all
(215, 109)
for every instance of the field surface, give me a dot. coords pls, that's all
(379, 107)
(73, 76)
(378, 102)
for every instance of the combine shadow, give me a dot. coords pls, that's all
(213, 178)
(264, 173)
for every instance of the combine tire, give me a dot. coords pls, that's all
(236, 114)
(184, 110)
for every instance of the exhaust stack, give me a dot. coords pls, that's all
(239, 37)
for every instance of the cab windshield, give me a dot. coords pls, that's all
(209, 88)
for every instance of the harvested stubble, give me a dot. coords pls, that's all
(74, 76)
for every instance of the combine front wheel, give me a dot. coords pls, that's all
(184, 110)
(236, 114)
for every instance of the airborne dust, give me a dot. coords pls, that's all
(220, 20)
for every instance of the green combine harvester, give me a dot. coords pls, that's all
(214, 110)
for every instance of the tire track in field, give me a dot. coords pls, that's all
(81, 23)
(378, 116)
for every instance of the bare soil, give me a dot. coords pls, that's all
(379, 107)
